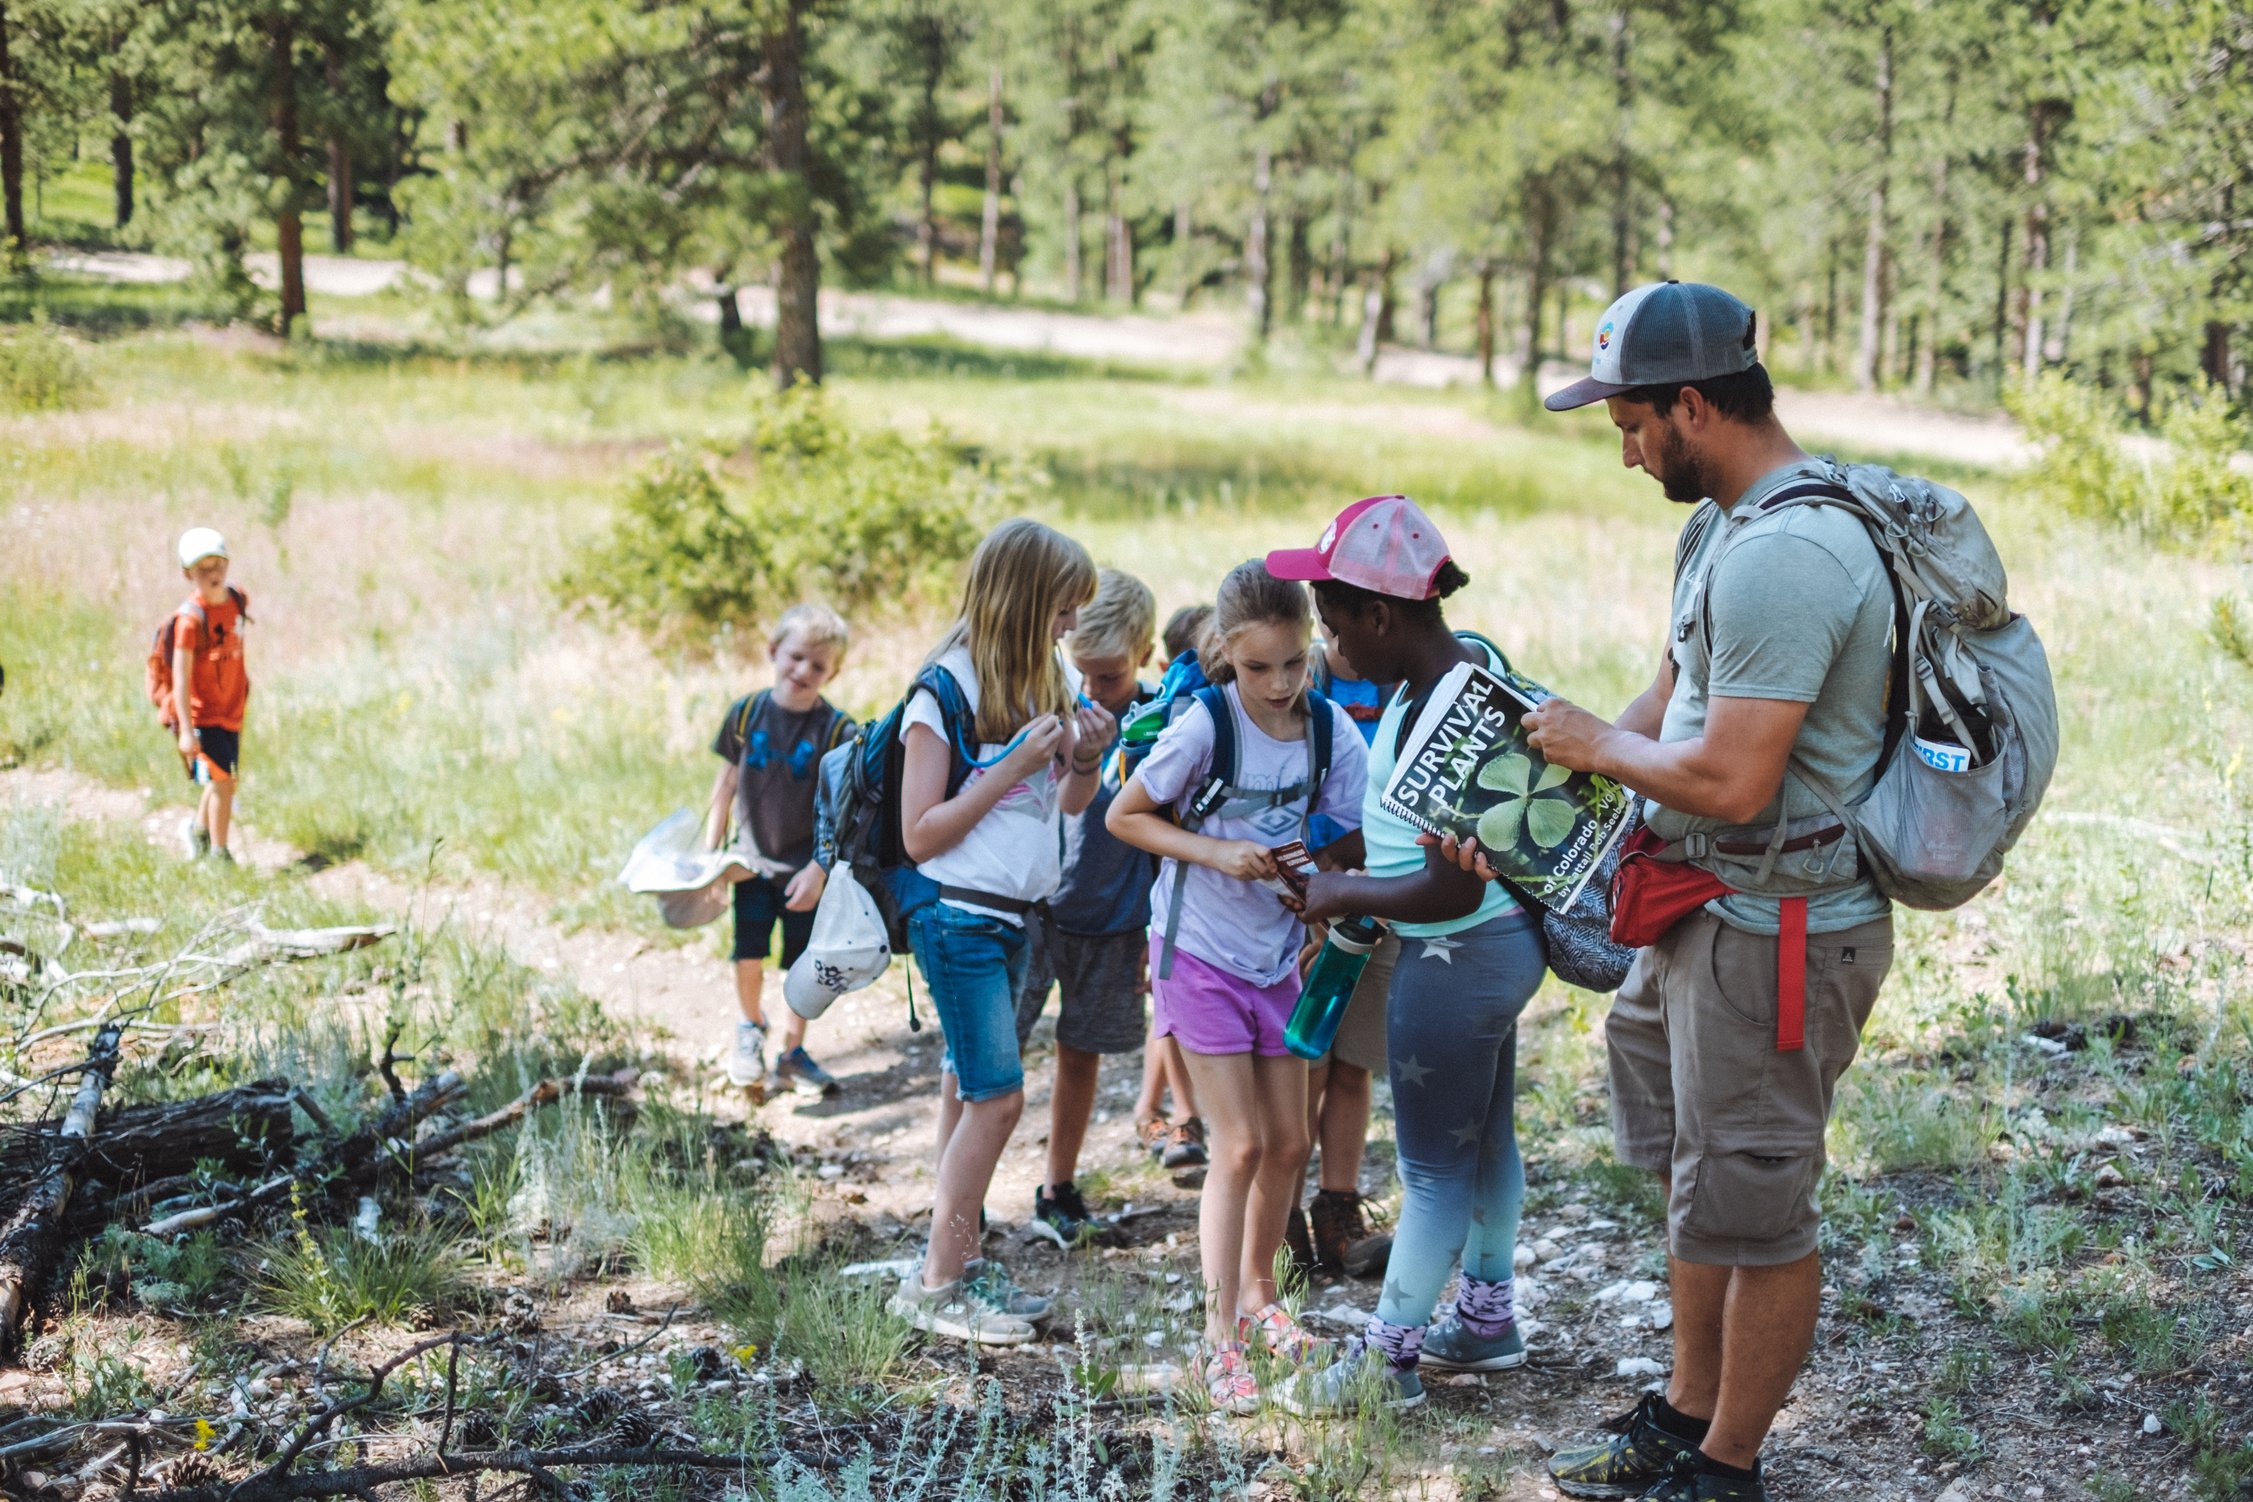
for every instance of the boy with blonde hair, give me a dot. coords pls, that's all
(210, 688)
(1090, 943)
(772, 743)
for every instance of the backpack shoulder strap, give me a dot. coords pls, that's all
(242, 601)
(1701, 522)
(954, 714)
(1486, 644)
(1322, 734)
(746, 708)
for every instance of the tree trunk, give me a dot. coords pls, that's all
(1388, 300)
(1665, 238)
(1341, 249)
(1486, 321)
(1427, 311)
(2214, 358)
(1541, 225)
(797, 326)
(1376, 299)
(289, 224)
(1300, 276)
(731, 314)
(121, 147)
(1256, 237)
(1184, 245)
(1118, 242)
(1869, 361)
(2002, 306)
(927, 165)
(1071, 236)
(2040, 116)
(1936, 279)
(11, 145)
(1623, 166)
(2060, 342)
(1830, 303)
(340, 157)
(989, 222)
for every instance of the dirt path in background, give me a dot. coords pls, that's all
(1202, 340)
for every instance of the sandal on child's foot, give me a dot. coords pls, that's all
(1228, 1380)
(1284, 1337)
(1153, 1132)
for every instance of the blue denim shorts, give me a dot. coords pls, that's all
(973, 967)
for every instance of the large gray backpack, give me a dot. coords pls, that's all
(1967, 668)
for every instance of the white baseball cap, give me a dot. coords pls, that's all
(199, 543)
(846, 950)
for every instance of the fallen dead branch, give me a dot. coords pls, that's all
(31, 1238)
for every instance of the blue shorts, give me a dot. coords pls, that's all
(973, 966)
(758, 904)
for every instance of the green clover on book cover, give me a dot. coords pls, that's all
(1466, 769)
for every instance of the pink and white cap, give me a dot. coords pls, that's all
(1385, 544)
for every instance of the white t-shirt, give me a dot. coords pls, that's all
(1240, 926)
(1016, 850)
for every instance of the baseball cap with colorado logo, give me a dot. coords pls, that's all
(1660, 334)
(1385, 544)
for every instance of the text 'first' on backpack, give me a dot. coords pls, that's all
(160, 684)
(1222, 795)
(1971, 734)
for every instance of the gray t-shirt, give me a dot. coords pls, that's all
(1800, 609)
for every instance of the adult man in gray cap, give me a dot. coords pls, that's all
(1732, 1030)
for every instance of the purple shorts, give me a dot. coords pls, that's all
(1207, 1010)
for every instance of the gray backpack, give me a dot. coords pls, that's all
(1971, 724)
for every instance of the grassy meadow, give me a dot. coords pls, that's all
(2038, 1214)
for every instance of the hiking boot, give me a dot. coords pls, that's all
(1062, 1217)
(1185, 1145)
(195, 840)
(797, 1070)
(1361, 1376)
(954, 1311)
(1153, 1132)
(1687, 1480)
(1639, 1456)
(1297, 1246)
(1451, 1347)
(747, 1061)
(989, 1282)
(1343, 1241)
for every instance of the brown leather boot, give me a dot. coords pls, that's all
(1343, 1241)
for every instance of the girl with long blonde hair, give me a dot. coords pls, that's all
(980, 805)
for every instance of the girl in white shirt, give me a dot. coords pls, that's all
(991, 843)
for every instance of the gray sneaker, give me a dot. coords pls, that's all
(1451, 1347)
(956, 1312)
(797, 1072)
(747, 1060)
(1356, 1379)
(195, 840)
(988, 1281)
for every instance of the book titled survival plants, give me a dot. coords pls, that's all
(1466, 769)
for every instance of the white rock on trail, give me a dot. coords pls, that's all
(1639, 1366)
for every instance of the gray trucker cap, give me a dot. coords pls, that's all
(1660, 333)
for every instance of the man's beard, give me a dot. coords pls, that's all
(1680, 475)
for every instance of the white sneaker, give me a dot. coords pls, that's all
(195, 840)
(747, 1064)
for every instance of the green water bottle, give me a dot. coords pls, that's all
(1329, 986)
(1143, 724)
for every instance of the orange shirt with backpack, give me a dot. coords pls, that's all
(220, 688)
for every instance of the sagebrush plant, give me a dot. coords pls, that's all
(709, 541)
(41, 370)
(2189, 488)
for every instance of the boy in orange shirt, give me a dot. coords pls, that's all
(210, 688)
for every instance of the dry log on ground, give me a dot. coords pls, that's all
(31, 1237)
(247, 1126)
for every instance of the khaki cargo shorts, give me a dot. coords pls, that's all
(1700, 1091)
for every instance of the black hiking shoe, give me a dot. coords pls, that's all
(1063, 1218)
(1343, 1241)
(1689, 1481)
(1641, 1456)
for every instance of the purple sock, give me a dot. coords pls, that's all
(1485, 1308)
(1399, 1343)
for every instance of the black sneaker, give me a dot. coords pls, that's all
(1640, 1457)
(1688, 1481)
(1062, 1217)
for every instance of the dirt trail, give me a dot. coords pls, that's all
(1203, 340)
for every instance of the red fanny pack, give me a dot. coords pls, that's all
(1651, 895)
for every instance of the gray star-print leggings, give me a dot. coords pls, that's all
(1452, 1033)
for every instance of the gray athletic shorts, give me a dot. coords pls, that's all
(1102, 1011)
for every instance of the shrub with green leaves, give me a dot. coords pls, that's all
(2191, 488)
(711, 541)
(41, 370)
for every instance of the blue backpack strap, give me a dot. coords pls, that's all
(748, 706)
(1322, 728)
(955, 715)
